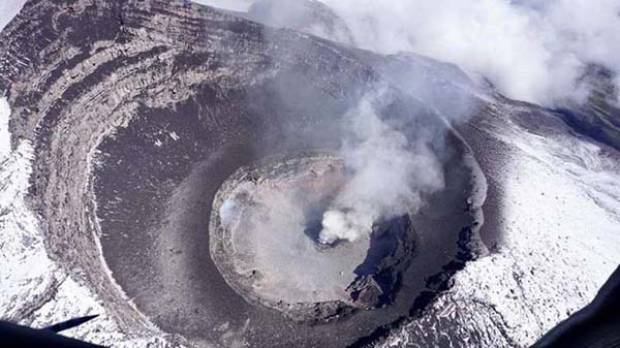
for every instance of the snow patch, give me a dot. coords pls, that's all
(34, 290)
(560, 215)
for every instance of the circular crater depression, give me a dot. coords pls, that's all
(264, 232)
(160, 225)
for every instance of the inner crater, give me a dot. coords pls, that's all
(265, 234)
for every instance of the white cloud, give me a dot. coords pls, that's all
(389, 173)
(532, 50)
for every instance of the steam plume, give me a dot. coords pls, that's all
(532, 50)
(8, 10)
(389, 174)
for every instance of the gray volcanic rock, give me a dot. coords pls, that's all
(308, 16)
(135, 125)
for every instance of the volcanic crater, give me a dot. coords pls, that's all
(264, 239)
(143, 129)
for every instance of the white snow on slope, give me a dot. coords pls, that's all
(35, 291)
(562, 241)
(21, 254)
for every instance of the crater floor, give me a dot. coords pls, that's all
(264, 239)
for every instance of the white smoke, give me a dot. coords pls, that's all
(532, 50)
(227, 212)
(390, 172)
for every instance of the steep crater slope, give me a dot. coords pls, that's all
(136, 125)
